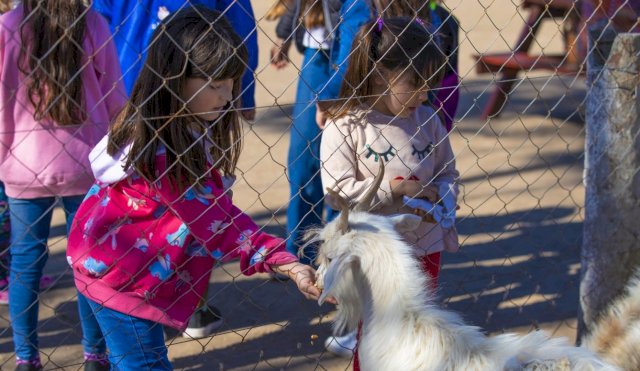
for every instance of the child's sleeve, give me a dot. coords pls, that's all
(108, 68)
(340, 166)
(221, 227)
(285, 26)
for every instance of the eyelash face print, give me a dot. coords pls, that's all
(386, 154)
(424, 153)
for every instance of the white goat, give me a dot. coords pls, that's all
(372, 273)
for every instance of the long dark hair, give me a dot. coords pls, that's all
(398, 44)
(194, 42)
(51, 58)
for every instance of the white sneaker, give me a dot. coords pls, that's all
(342, 346)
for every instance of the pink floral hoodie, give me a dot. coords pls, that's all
(147, 250)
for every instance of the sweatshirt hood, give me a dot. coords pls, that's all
(109, 169)
(106, 168)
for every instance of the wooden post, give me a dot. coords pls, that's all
(611, 235)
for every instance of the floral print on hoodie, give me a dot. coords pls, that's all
(147, 249)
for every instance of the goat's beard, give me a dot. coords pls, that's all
(351, 292)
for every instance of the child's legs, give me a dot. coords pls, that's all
(92, 339)
(303, 164)
(134, 343)
(30, 221)
(431, 265)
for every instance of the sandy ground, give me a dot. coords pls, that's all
(520, 221)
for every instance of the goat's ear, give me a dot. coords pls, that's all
(334, 270)
(406, 222)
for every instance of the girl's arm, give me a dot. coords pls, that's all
(340, 165)
(229, 233)
(221, 227)
(108, 68)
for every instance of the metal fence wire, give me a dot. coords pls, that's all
(506, 91)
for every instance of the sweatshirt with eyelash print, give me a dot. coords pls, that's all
(416, 147)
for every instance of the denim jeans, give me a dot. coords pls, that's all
(306, 199)
(30, 224)
(134, 343)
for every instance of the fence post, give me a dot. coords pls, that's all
(611, 234)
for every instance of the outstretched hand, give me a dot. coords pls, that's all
(304, 277)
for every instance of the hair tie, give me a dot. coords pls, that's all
(380, 23)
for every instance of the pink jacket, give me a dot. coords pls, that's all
(42, 158)
(147, 250)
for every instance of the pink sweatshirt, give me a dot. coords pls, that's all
(146, 249)
(42, 158)
(416, 147)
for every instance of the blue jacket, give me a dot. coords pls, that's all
(353, 14)
(132, 22)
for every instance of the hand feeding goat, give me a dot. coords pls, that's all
(372, 273)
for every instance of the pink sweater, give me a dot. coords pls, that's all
(416, 148)
(146, 250)
(42, 158)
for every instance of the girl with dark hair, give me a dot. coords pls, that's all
(60, 90)
(380, 117)
(147, 235)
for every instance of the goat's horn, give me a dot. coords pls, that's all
(365, 203)
(343, 207)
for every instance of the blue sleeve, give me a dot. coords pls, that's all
(104, 7)
(353, 14)
(240, 15)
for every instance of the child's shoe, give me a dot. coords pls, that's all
(204, 322)
(342, 346)
(46, 281)
(33, 365)
(96, 362)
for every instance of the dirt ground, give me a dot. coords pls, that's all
(520, 223)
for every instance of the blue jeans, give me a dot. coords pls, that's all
(30, 223)
(303, 163)
(134, 343)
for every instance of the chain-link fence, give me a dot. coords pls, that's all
(511, 101)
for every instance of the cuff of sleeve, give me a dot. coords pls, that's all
(279, 258)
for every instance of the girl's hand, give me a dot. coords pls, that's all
(413, 188)
(280, 54)
(304, 277)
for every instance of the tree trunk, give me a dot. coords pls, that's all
(611, 243)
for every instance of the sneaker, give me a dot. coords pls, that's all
(46, 281)
(27, 367)
(96, 366)
(342, 346)
(33, 365)
(96, 362)
(204, 322)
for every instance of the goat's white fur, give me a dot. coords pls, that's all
(375, 278)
